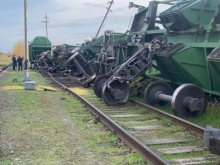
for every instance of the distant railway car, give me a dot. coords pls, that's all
(39, 45)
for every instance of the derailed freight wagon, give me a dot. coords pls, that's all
(97, 57)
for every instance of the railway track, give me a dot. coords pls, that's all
(161, 138)
(3, 67)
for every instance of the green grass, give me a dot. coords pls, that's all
(34, 75)
(135, 159)
(210, 117)
(166, 121)
(34, 131)
(5, 63)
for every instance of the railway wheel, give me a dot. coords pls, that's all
(154, 89)
(99, 83)
(117, 94)
(188, 100)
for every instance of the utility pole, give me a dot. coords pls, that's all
(25, 29)
(26, 76)
(104, 18)
(46, 22)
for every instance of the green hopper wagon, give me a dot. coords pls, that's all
(38, 46)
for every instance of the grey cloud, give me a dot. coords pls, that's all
(94, 4)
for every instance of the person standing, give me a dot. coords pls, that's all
(20, 60)
(16, 57)
(23, 61)
(14, 60)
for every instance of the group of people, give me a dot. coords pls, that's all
(17, 60)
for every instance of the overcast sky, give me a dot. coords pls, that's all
(70, 21)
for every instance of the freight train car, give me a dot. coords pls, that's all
(37, 47)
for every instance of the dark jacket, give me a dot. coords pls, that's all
(14, 59)
(20, 60)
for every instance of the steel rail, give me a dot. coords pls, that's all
(4, 68)
(76, 80)
(186, 124)
(125, 136)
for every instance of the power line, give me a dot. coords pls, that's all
(46, 22)
(72, 35)
(121, 9)
(115, 18)
(83, 22)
